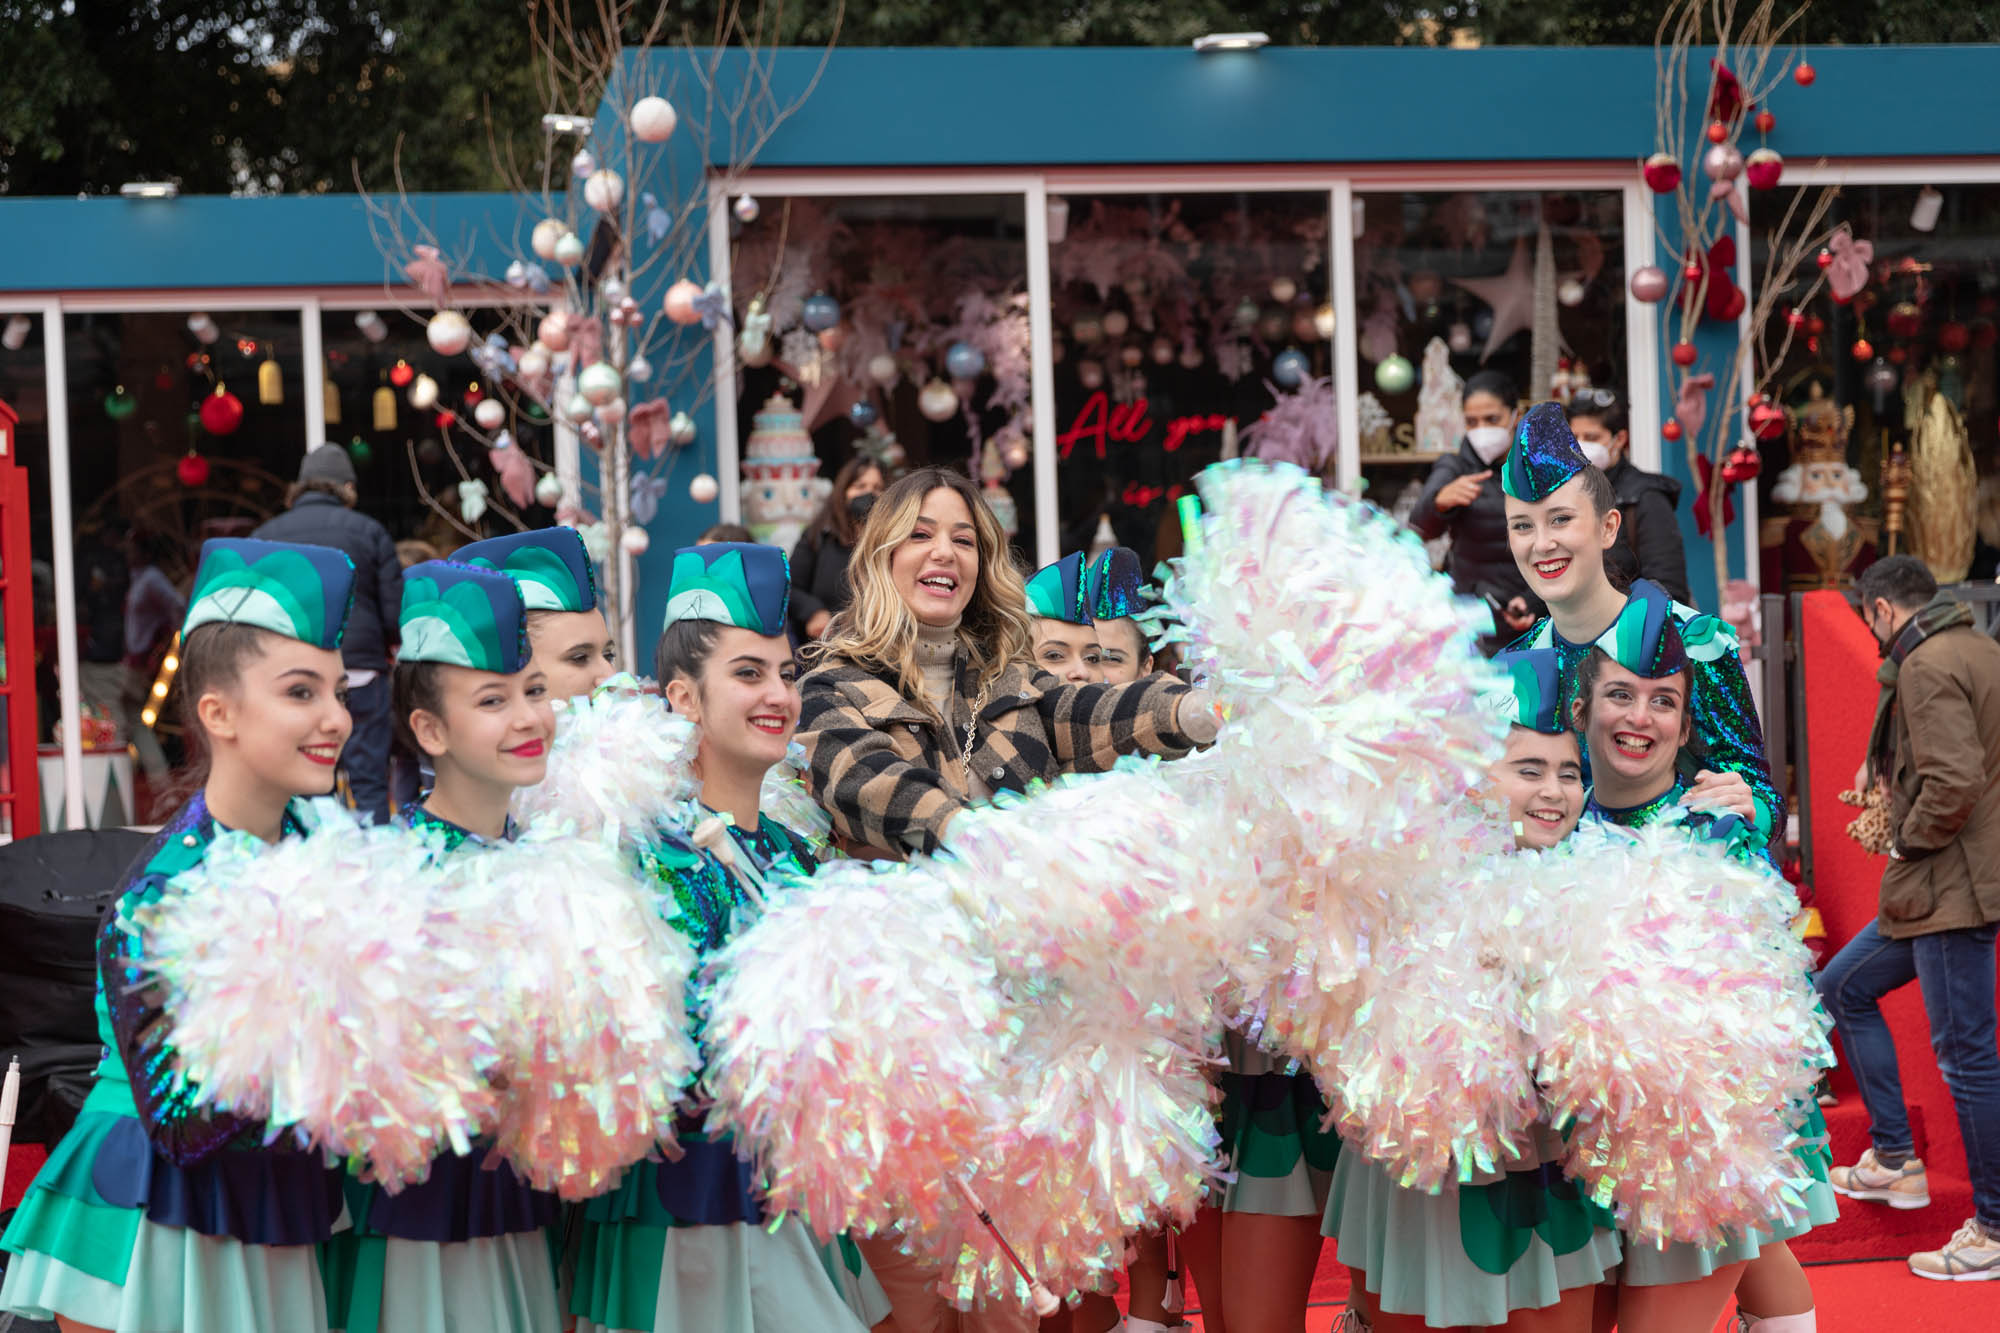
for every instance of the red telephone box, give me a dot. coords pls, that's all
(20, 795)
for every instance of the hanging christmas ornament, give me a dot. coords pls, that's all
(1953, 336)
(1395, 374)
(598, 383)
(1862, 350)
(424, 393)
(577, 408)
(401, 374)
(192, 470)
(1766, 122)
(680, 430)
(548, 490)
(1245, 315)
(830, 340)
(490, 414)
(569, 250)
(1283, 289)
(1116, 323)
(1765, 418)
(1649, 283)
(119, 404)
(1723, 162)
(863, 414)
(1924, 213)
(1015, 453)
(1323, 321)
(373, 327)
(517, 275)
(1905, 320)
(15, 336)
(448, 333)
(270, 383)
(703, 490)
(329, 402)
(583, 163)
(611, 413)
(1163, 350)
(605, 190)
(1459, 338)
(634, 541)
(472, 500)
(542, 240)
(445, 419)
(1290, 367)
(1763, 168)
(1670, 431)
(1743, 464)
(221, 412)
(1662, 172)
(1684, 353)
(1130, 356)
(1570, 292)
(652, 119)
(938, 401)
(964, 361)
(746, 209)
(883, 370)
(820, 312)
(385, 408)
(203, 328)
(360, 450)
(553, 332)
(1804, 75)
(680, 302)
(1089, 374)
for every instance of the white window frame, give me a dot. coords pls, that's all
(1340, 184)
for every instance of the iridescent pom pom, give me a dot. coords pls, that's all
(621, 760)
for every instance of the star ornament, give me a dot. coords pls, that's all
(1510, 295)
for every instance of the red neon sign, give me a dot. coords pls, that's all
(1101, 422)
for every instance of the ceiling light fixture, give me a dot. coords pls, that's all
(1230, 41)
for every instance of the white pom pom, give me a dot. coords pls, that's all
(621, 761)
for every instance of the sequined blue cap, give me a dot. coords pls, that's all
(1543, 456)
(1116, 584)
(1057, 591)
(732, 583)
(1644, 639)
(463, 615)
(550, 564)
(302, 592)
(1536, 677)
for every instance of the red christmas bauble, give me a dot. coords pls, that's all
(1812, 345)
(1766, 419)
(1863, 350)
(1743, 464)
(401, 374)
(1814, 324)
(164, 380)
(192, 470)
(1804, 75)
(1794, 319)
(1692, 273)
(1953, 336)
(1670, 431)
(1684, 354)
(1905, 319)
(1766, 122)
(1898, 355)
(221, 413)
(1662, 172)
(1825, 258)
(1985, 334)
(1717, 131)
(474, 395)
(446, 419)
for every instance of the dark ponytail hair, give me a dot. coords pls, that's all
(684, 649)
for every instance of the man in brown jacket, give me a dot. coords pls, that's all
(1936, 747)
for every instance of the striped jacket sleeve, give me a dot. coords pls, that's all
(1089, 726)
(874, 795)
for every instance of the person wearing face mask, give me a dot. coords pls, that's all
(467, 1245)
(1517, 1248)
(1065, 637)
(1649, 536)
(1462, 499)
(820, 589)
(1632, 705)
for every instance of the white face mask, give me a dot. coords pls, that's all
(1489, 442)
(1599, 456)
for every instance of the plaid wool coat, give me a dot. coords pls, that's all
(890, 775)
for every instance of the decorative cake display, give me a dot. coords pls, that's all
(782, 488)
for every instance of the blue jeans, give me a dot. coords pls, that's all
(366, 755)
(1955, 970)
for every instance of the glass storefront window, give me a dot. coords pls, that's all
(1910, 363)
(1174, 317)
(887, 328)
(407, 466)
(183, 426)
(1447, 284)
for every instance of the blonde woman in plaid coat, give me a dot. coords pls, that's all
(924, 696)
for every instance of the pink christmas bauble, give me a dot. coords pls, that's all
(703, 489)
(1649, 284)
(680, 302)
(553, 332)
(652, 119)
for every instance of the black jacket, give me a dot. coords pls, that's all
(819, 578)
(1480, 562)
(318, 519)
(1649, 536)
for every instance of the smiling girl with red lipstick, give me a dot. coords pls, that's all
(1562, 517)
(1632, 706)
(466, 1247)
(156, 1213)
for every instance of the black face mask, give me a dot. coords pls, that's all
(858, 507)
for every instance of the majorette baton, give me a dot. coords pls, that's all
(1045, 1300)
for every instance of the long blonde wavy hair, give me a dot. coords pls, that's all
(877, 630)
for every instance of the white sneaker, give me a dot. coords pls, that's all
(1971, 1255)
(1905, 1187)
